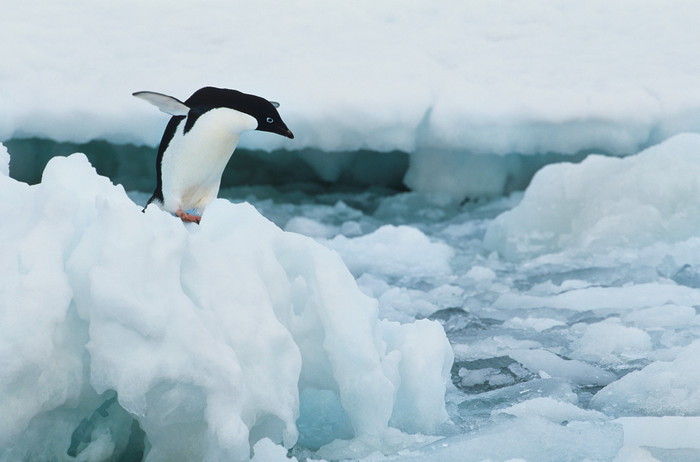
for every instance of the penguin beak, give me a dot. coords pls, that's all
(288, 134)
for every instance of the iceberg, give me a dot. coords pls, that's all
(123, 331)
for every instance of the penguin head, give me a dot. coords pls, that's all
(264, 111)
(208, 98)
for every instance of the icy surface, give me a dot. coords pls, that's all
(554, 348)
(573, 349)
(661, 388)
(604, 203)
(464, 82)
(571, 309)
(4, 161)
(209, 335)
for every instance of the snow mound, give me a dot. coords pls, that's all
(121, 330)
(394, 251)
(662, 388)
(605, 202)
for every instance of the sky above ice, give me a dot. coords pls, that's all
(490, 77)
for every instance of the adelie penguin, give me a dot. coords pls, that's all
(199, 141)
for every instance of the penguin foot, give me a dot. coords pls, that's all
(187, 217)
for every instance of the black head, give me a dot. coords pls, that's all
(265, 112)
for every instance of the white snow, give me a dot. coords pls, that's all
(551, 409)
(572, 308)
(575, 371)
(628, 298)
(609, 342)
(538, 324)
(661, 388)
(634, 454)
(530, 439)
(670, 432)
(451, 83)
(668, 315)
(210, 334)
(394, 251)
(605, 203)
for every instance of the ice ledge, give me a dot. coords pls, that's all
(211, 335)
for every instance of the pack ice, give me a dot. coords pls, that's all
(123, 333)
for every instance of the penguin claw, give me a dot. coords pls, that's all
(187, 217)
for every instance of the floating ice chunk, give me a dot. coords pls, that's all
(372, 286)
(401, 304)
(394, 251)
(447, 295)
(668, 315)
(554, 410)
(575, 371)
(481, 274)
(609, 342)
(537, 324)
(634, 454)
(488, 374)
(497, 345)
(309, 227)
(668, 432)
(661, 388)
(628, 298)
(266, 450)
(210, 335)
(606, 202)
(421, 345)
(528, 438)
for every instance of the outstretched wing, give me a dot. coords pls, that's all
(165, 103)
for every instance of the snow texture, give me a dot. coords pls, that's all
(572, 308)
(210, 335)
(662, 388)
(457, 85)
(124, 334)
(604, 203)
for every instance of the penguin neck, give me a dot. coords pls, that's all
(223, 125)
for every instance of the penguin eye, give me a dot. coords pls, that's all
(269, 120)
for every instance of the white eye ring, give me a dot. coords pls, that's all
(269, 120)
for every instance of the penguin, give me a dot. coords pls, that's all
(198, 142)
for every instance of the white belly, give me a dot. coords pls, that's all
(193, 163)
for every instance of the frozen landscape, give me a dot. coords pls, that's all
(482, 244)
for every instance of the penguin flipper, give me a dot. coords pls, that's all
(165, 103)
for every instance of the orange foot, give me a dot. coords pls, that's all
(187, 217)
